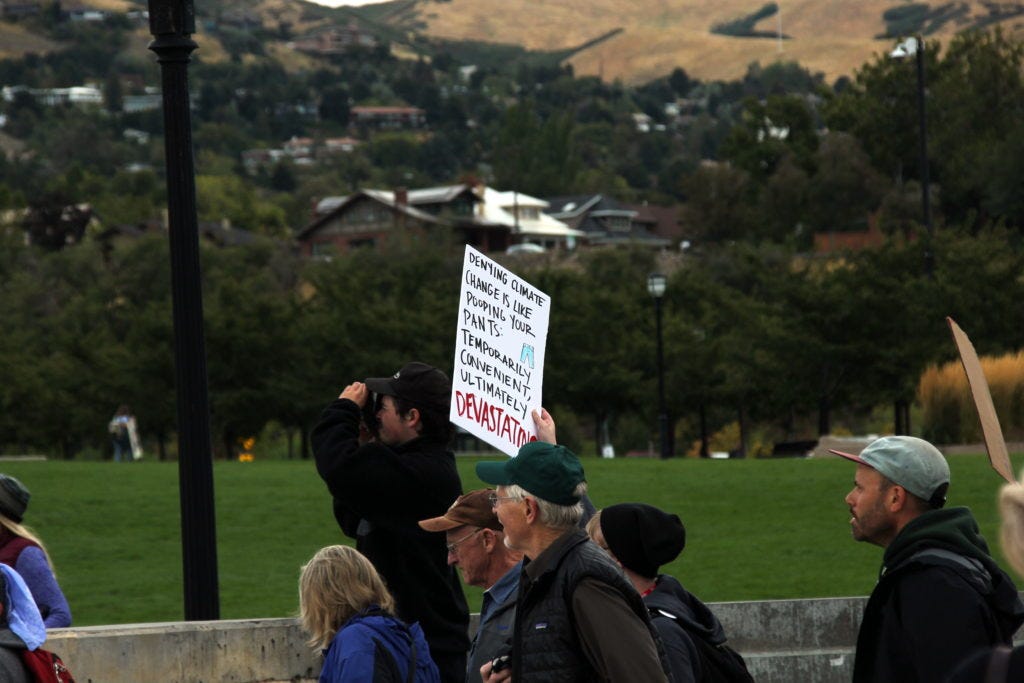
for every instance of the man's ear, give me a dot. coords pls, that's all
(532, 510)
(897, 496)
(413, 417)
(490, 539)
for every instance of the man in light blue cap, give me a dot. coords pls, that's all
(939, 595)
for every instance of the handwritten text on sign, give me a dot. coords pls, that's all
(499, 354)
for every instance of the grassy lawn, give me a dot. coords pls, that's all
(757, 529)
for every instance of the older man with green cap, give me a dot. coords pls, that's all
(577, 617)
(939, 595)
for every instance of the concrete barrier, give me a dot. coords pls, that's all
(794, 640)
(230, 651)
(782, 641)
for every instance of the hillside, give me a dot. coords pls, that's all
(603, 37)
(831, 36)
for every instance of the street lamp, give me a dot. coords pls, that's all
(914, 47)
(172, 23)
(656, 283)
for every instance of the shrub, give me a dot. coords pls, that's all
(949, 414)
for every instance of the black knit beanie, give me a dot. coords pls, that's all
(642, 537)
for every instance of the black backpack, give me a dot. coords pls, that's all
(718, 663)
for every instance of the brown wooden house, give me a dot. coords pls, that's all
(369, 218)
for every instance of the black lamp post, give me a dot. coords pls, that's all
(172, 23)
(914, 46)
(656, 283)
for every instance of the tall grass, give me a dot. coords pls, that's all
(949, 414)
(756, 529)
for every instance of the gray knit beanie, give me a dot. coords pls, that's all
(13, 498)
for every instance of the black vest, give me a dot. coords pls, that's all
(545, 645)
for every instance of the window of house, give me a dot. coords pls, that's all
(618, 223)
(324, 249)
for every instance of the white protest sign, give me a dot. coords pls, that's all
(499, 354)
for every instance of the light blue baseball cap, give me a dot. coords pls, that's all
(907, 461)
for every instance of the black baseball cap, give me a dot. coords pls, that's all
(418, 383)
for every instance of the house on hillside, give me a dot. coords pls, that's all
(334, 40)
(526, 217)
(604, 221)
(659, 220)
(16, 9)
(830, 241)
(369, 218)
(388, 118)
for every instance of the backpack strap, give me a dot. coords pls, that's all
(377, 611)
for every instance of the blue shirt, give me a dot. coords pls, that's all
(497, 616)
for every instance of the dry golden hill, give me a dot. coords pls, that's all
(16, 41)
(831, 36)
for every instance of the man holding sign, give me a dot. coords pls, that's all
(382, 486)
(939, 595)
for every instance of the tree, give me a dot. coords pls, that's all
(580, 338)
(718, 204)
(113, 97)
(53, 221)
(975, 92)
(770, 130)
(334, 104)
(845, 188)
(977, 95)
(245, 297)
(680, 82)
(535, 157)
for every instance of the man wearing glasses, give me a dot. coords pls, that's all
(577, 617)
(382, 486)
(476, 545)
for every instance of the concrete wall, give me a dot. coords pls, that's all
(237, 651)
(782, 641)
(794, 640)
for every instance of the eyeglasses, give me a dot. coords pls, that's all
(496, 499)
(452, 547)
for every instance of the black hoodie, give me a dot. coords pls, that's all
(940, 596)
(380, 493)
(691, 616)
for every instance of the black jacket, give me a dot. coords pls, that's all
(380, 493)
(939, 597)
(688, 616)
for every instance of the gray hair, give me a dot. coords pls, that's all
(551, 514)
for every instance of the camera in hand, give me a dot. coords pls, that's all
(369, 414)
(500, 663)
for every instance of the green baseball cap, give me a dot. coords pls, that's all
(548, 471)
(907, 461)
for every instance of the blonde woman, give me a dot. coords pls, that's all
(1002, 663)
(22, 550)
(349, 614)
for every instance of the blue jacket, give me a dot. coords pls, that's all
(358, 653)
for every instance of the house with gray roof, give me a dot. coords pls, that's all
(604, 221)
